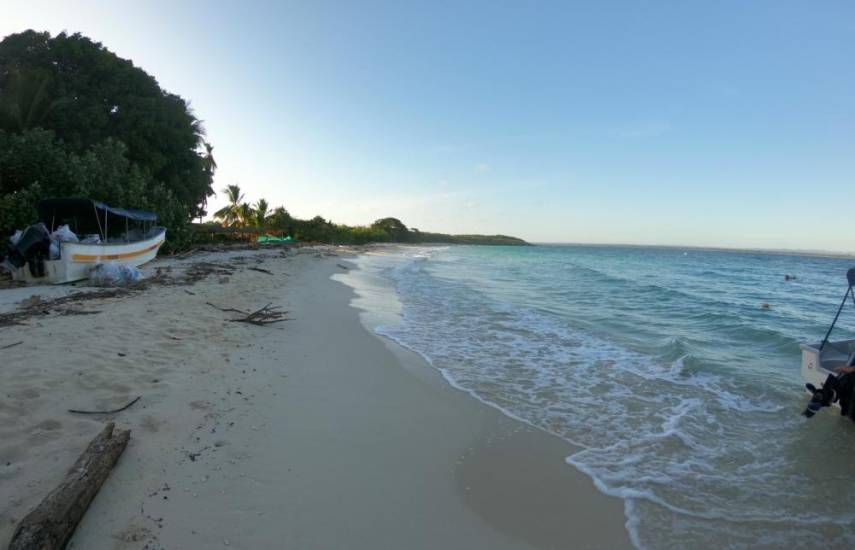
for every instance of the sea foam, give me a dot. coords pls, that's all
(700, 445)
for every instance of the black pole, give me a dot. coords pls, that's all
(843, 303)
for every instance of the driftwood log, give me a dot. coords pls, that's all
(50, 525)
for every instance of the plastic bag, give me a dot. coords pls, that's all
(111, 274)
(91, 239)
(64, 235)
(16, 237)
(53, 250)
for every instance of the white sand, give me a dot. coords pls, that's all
(312, 434)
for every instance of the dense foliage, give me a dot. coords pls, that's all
(76, 120)
(243, 218)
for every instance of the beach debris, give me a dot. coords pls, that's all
(267, 315)
(106, 412)
(70, 311)
(344, 267)
(201, 270)
(113, 274)
(261, 270)
(789, 277)
(264, 316)
(31, 302)
(7, 346)
(765, 306)
(35, 305)
(226, 309)
(52, 523)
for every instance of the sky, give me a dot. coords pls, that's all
(694, 123)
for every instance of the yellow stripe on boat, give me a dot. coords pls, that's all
(122, 256)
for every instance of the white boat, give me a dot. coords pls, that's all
(117, 235)
(818, 360)
(821, 361)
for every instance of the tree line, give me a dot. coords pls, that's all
(76, 120)
(239, 215)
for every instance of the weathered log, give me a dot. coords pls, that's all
(50, 525)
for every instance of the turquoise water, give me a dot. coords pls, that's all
(682, 392)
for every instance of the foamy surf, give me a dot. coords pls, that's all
(693, 423)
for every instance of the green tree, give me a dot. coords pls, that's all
(261, 213)
(24, 101)
(246, 215)
(394, 227)
(230, 213)
(208, 162)
(35, 165)
(86, 94)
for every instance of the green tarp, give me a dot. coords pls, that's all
(273, 240)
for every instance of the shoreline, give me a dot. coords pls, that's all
(321, 434)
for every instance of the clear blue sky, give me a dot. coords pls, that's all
(689, 122)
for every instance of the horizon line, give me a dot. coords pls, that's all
(771, 251)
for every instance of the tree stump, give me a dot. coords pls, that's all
(50, 525)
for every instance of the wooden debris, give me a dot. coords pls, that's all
(106, 412)
(264, 316)
(7, 346)
(36, 305)
(261, 270)
(227, 309)
(52, 523)
(70, 311)
(344, 267)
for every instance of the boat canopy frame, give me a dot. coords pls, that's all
(850, 291)
(50, 210)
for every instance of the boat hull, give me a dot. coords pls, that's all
(817, 365)
(76, 259)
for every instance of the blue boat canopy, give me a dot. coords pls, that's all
(51, 209)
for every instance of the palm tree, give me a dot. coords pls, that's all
(230, 214)
(261, 213)
(208, 162)
(26, 101)
(246, 215)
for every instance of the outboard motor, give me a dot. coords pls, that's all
(32, 248)
(822, 397)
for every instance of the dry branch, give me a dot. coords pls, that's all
(227, 309)
(35, 305)
(106, 412)
(50, 525)
(264, 316)
(7, 346)
(70, 311)
(260, 270)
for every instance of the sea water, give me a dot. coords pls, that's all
(680, 387)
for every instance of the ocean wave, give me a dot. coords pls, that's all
(671, 424)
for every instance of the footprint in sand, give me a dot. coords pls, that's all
(48, 425)
(151, 424)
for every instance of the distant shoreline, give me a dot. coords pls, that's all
(767, 251)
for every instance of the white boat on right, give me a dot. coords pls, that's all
(828, 365)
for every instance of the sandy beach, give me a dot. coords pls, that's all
(310, 433)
